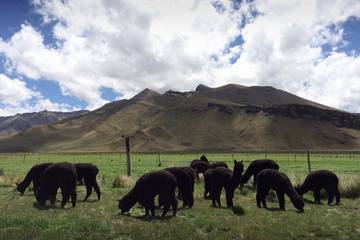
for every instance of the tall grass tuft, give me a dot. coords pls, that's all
(349, 186)
(122, 181)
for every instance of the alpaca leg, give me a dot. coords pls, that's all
(229, 198)
(73, 198)
(330, 195)
(88, 190)
(263, 197)
(52, 198)
(213, 195)
(151, 206)
(97, 189)
(254, 182)
(65, 197)
(166, 208)
(174, 206)
(146, 211)
(281, 198)
(218, 195)
(258, 200)
(317, 197)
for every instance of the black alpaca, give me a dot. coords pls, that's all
(272, 179)
(162, 183)
(321, 179)
(230, 180)
(207, 180)
(58, 175)
(255, 167)
(200, 166)
(88, 172)
(34, 175)
(185, 177)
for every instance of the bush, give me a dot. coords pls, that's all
(350, 187)
(122, 181)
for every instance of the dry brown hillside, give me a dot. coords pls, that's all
(228, 118)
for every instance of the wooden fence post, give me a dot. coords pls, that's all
(128, 157)
(308, 161)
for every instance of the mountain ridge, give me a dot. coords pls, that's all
(227, 118)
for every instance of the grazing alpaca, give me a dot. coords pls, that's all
(34, 175)
(230, 180)
(207, 179)
(255, 167)
(58, 175)
(88, 172)
(321, 179)
(272, 179)
(185, 177)
(200, 166)
(162, 183)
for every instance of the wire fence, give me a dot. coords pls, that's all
(115, 163)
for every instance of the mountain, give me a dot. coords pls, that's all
(227, 118)
(20, 122)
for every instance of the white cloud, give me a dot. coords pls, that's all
(160, 44)
(15, 97)
(13, 91)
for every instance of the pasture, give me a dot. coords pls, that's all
(19, 219)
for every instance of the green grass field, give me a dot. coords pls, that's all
(19, 219)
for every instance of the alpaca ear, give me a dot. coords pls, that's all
(235, 161)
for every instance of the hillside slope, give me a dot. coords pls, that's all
(228, 118)
(20, 122)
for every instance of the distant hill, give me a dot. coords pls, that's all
(20, 122)
(228, 118)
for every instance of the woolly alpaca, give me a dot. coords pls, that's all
(58, 175)
(321, 179)
(185, 177)
(200, 166)
(162, 183)
(88, 172)
(272, 179)
(255, 167)
(34, 175)
(230, 180)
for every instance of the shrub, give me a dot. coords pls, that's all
(349, 187)
(122, 181)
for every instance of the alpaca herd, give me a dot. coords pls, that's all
(47, 178)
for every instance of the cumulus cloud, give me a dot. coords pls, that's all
(15, 97)
(130, 45)
(14, 91)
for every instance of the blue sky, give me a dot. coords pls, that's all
(68, 55)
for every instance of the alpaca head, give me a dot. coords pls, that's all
(203, 158)
(20, 188)
(127, 202)
(238, 168)
(298, 203)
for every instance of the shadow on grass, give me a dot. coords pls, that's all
(147, 218)
(311, 202)
(238, 210)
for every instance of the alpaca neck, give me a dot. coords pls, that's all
(235, 180)
(26, 182)
(246, 176)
